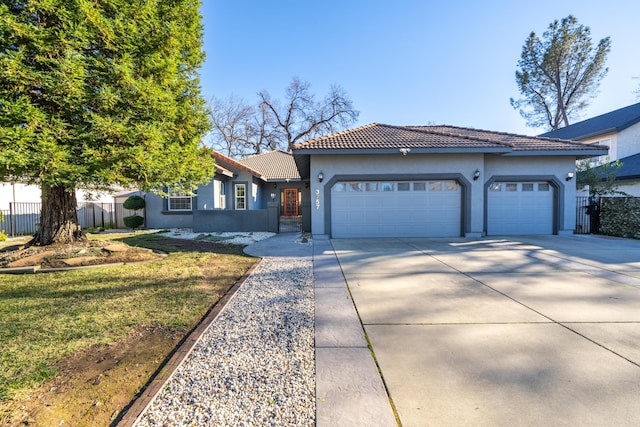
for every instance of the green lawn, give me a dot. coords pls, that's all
(46, 317)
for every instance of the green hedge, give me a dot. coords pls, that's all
(133, 203)
(620, 217)
(133, 221)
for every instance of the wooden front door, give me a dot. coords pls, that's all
(290, 202)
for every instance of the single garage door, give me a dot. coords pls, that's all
(396, 209)
(520, 208)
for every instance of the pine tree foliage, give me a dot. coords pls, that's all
(559, 74)
(94, 94)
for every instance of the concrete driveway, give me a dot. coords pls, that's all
(496, 332)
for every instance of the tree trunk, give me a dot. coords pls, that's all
(58, 217)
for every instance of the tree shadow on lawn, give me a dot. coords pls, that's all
(95, 383)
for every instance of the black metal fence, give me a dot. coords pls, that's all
(587, 215)
(24, 218)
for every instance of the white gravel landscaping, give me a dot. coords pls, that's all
(233, 238)
(255, 363)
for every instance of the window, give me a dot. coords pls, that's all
(372, 186)
(419, 186)
(435, 185)
(543, 187)
(354, 187)
(340, 187)
(403, 186)
(527, 187)
(451, 185)
(386, 186)
(240, 196)
(178, 201)
(511, 187)
(496, 186)
(223, 195)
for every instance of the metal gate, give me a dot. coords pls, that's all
(290, 224)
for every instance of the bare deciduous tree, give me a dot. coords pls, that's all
(232, 122)
(303, 118)
(241, 130)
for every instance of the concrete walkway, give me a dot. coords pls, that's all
(349, 389)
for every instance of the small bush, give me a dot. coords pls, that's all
(133, 221)
(3, 236)
(134, 203)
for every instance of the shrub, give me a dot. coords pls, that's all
(134, 203)
(133, 221)
(3, 236)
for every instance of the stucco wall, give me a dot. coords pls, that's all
(628, 142)
(205, 199)
(158, 217)
(446, 164)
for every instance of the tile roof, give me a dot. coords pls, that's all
(227, 164)
(617, 121)
(434, 138)
(274, 166)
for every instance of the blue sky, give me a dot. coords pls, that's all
(407, 62)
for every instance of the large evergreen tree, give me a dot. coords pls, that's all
(94, 94)
(559, 73)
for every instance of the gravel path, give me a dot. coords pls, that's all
(255, 363)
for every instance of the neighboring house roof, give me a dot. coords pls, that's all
(630, 169)
(128, 193)
(274, 166)
(615, 121)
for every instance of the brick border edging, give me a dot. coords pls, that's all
(130, 414)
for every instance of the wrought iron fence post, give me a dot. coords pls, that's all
(11, 226)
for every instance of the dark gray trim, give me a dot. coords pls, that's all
(465, 220)
(556, 153)
(177, 212)
(558, 195)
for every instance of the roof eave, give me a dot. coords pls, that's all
(578, 153)
(446, 150)
(595, 134)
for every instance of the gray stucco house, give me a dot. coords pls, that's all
(260, 193)
(391, 181)
(439, 181)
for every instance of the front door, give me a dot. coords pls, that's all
(290, 202)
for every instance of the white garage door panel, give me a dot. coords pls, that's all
(364, 210)
(520, 208)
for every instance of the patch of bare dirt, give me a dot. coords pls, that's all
(95, 384)
(84, 253)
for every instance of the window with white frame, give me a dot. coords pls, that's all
(240, 196)
(179, 201)
(223, 195)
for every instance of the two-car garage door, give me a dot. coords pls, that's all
(396, 209)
